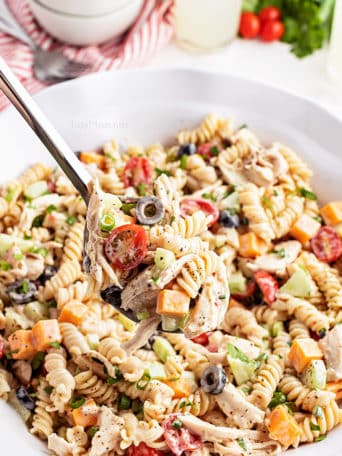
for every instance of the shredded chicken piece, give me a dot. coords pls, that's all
(284, 254)
(331, 346)
(108, 437)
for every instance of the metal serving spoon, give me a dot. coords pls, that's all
(52, 140)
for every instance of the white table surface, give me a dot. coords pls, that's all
(270, 63)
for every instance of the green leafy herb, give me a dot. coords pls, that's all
(183, 161)
(127, 207)
(280, 252)
(177, 424)
(55, 344)
(71, 220)
(77, 402)
(24, 287)
(209, 196)
(234, 352)
(5, 265)
(320, 438)
(92, 431)
(242, 444)
(141, 189)
(51, 208)
(37, 360)
(38, 221)
(124, 402)
(314, 427)
(159, 171)
(318, 411)
(48, 389)
(277, 398)
(214, 151)
(307, 194)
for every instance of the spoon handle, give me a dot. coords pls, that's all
(49, 136)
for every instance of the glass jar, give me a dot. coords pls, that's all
(206, 25)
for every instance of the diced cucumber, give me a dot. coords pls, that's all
(242, 367)
(36, 189)
(93, 341)
(231, 202)
(237, 282)
(162, 348)
(36, 311)
(315, 375)
(169, 323)
(128, 324)
(164, 258)
(155, 370)
(7, 241)
(298, 285)
(18, 406)
(15, 320)
(276, 328)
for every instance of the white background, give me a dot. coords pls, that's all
(270, 63)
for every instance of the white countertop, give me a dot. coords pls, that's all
(269, 63)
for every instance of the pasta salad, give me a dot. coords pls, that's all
(219, 247)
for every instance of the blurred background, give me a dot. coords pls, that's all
(292, 44)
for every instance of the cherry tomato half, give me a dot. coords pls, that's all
(143, 450)
(327, 245)
(250, 290)
(179, 440)
(268, 286)
(270, 13)
(202, 339)
(191, 205)
(137, 171)
(249, 25)
(272, 31)
(126, 246)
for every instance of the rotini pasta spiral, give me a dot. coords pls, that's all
(42, 422)
(266, 382)
(68, 273)
(59, 378)
(73, 249)
(88, 384)
(73, 339)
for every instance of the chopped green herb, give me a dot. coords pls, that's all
(280, 252)
(48, 389)
(40, 251)
(137, 406)
(209, 196)
(159, 171)
(318, 411)
(242, 444)
(143, 382)
(127, 207)
(275, 193)
(318, 219)
(38, 221)
(124, 402)
(177, 424)
(10, 194)
(77, 402)
(71, 220)
(222, 296)
(5, 265)
(51, 208)
(307, 194)
(24, 287)
(141, 189)
(314, 427)
(18, 256)
(92, 431)
(37, 360)
(183, 161)
(262, 358)
(320, 438)
(229, 192)
(214, 151)
(55, 344)
(27, 237)
(277, 398)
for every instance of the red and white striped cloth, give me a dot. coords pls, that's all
(151, 32)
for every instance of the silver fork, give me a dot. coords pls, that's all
(48, 66)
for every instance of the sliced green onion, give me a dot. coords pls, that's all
(10, 194)
(37, 360)
(124, 402)
(5, 265)
(77, 402)
(307, 194)
(137, 406)
(143, 382)
(40, 251)
(242, 444)
(24, 287)
(71, 220)
(141, 189)
(277, 398)
(107, 222)
(159, 171)
(320, 438)
(127, 207)
(38, 221)
(51, 208)
(314, 427)
(183, 161)
(18, 256)
(92, 431)
(55, 344)
(177, 424)
(48, 389)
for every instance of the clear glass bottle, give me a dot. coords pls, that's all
(335, 46)
(206, 25)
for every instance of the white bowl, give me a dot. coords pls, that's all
(144, 107)
(85, 7)
(83, 31)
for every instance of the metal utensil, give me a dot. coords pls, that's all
(48, 66)
(52, 140)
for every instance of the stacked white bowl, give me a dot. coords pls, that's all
(85, 22)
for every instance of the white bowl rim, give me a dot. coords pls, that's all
(84, 16)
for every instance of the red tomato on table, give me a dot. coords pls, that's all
(272, 31)
(327, 245)
(137, 171)
(126, 246)
(249, 25)
(179, 440)
(143, 450)
(268, 286)
(270, 13)
(191, 205)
